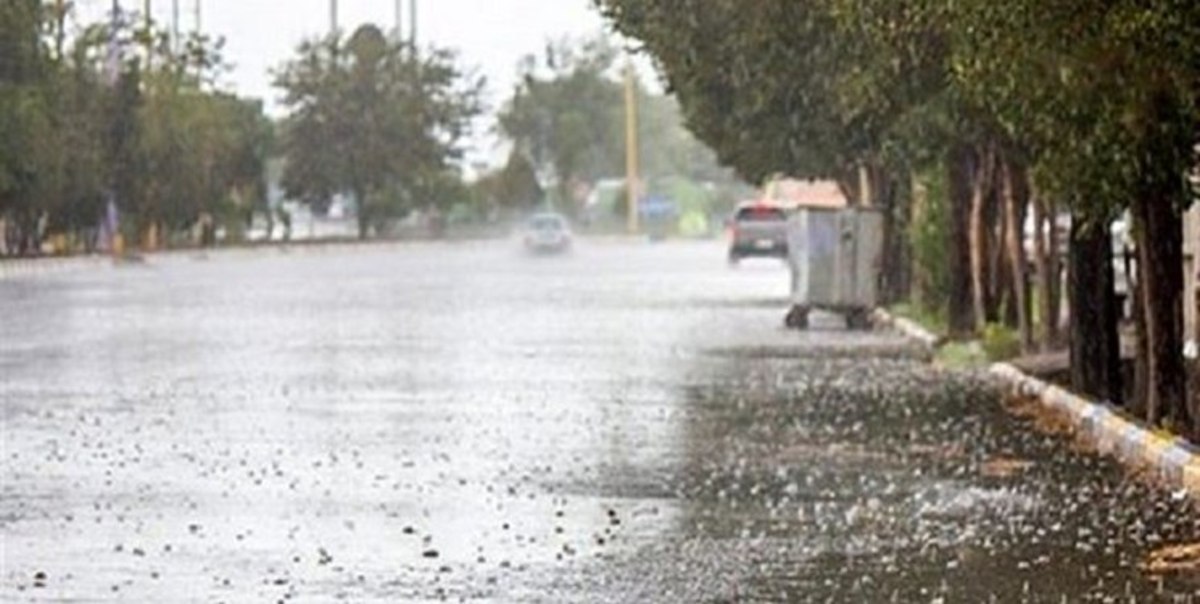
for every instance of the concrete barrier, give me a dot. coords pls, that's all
(1171, 460)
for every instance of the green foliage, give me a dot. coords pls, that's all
(567, 119)
(1000, 343)
(23, 113)
(765, 84)
(929, 232)
(377, 119)
(962, 355)
(513, 187)
(78, 128)
(1100, 97)
(566, 116)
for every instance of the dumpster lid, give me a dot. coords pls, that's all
(795, 193)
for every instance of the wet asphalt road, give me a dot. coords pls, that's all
(429, 422)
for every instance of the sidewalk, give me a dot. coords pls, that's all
(1171, 460)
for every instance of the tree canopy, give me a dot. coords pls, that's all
(374, 118)
(566, 120)
(1093, 105)
(117, 113)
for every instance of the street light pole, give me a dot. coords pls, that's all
(631, 145)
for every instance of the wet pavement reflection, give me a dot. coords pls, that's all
(629, 423)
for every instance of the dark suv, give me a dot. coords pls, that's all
(758, 230)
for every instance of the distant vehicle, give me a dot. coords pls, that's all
(759, 230)
(546, 233)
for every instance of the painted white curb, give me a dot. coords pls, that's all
(1170, 459)
(907, 327)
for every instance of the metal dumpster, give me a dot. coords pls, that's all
(834, 255)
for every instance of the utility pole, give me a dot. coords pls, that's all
(148, 22)
(199, 17)
(60, 21)
(333, 17)
(174, 26)
(398, 31)
(412, 23)
(113, 59)
(631, 145)
(113, 68)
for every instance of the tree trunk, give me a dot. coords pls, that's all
(960, 315)
(364, 216)
(1003, 296)
(919, 275)
(1095, 341)
(1046, 275)
(1160, 270)
(894, 269)
(902, 206)
(1141, 362)
(979, 249)
(999, 277)
(1015, 199)
(1056, 263)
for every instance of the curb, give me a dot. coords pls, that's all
(45, 265)
(907, 327)
(29, 266)
(26, 267)
(1171, 460)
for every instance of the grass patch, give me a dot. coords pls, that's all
(962, 355)
(998, 342)
(934, 321)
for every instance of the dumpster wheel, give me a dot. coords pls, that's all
(858, 319)
(797, 317)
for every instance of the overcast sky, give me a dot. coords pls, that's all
(491, 35)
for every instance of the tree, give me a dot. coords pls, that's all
(374, 118)
(1104, 96)
(800, 89)
(514, 187)
(23, 116)
(566, 118)
(84, 121)
(1085, 104)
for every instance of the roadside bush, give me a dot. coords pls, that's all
(1000, 343)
